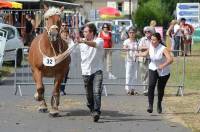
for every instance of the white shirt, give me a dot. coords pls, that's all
(157, 57)
(133, 45)
(176, 28)
(144, 42)
(92, 57)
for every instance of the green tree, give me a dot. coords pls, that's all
(152, 10)
(169, 4)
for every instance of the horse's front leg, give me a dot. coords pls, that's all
(39, 95)
(55, 99)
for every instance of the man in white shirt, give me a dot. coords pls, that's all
(92, 52)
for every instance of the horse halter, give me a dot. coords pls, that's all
(53, 33)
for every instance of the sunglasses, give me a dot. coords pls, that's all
(64, 25)
(147, 31)
(105, 27)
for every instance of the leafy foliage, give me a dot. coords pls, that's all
(152, 10)
(159, 10)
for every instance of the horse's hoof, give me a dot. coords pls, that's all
(54, 113)
(42, 110)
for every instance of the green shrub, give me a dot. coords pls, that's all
(152, 10)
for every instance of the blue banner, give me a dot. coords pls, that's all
(188, 13)
(188, 6)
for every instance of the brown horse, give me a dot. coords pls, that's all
(49, 44)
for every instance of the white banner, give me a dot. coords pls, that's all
(189, 11)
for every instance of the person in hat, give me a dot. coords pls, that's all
(143, 61)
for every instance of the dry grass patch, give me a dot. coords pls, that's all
(183, 109)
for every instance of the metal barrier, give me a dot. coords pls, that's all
(23, 75)
(198, 110)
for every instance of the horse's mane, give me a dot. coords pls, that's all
(52, 11)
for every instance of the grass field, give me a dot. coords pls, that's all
(184, 109)
(5, 71)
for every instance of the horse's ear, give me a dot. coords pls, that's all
(46, 7)
(62, 8)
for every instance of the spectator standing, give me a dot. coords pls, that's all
(106, 35)
(123, 32)
(153, 24)
(28, 30)
(143, 61)
(33, 26)
(131, 45)
(187, 31)
(64, 32)
(170, 36)
(177, 38)
(159, 70)
(92, 52)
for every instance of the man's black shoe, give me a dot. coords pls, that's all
(95, 116)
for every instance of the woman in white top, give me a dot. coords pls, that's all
(131, 45)
(159, 71)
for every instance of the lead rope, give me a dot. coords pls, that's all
(53, 48)
(60, 57)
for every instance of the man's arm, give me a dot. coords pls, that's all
(89, 43)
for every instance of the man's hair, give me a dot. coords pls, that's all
(92, 28)
(132, 29)
(183, 19)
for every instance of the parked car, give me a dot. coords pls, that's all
(13, 42)
(128, 23)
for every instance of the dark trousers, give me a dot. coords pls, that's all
(64, 81)
(62, 87)
(161, 83)
(177, 44)
(93, 88)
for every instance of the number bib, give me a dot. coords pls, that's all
(49, 61)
